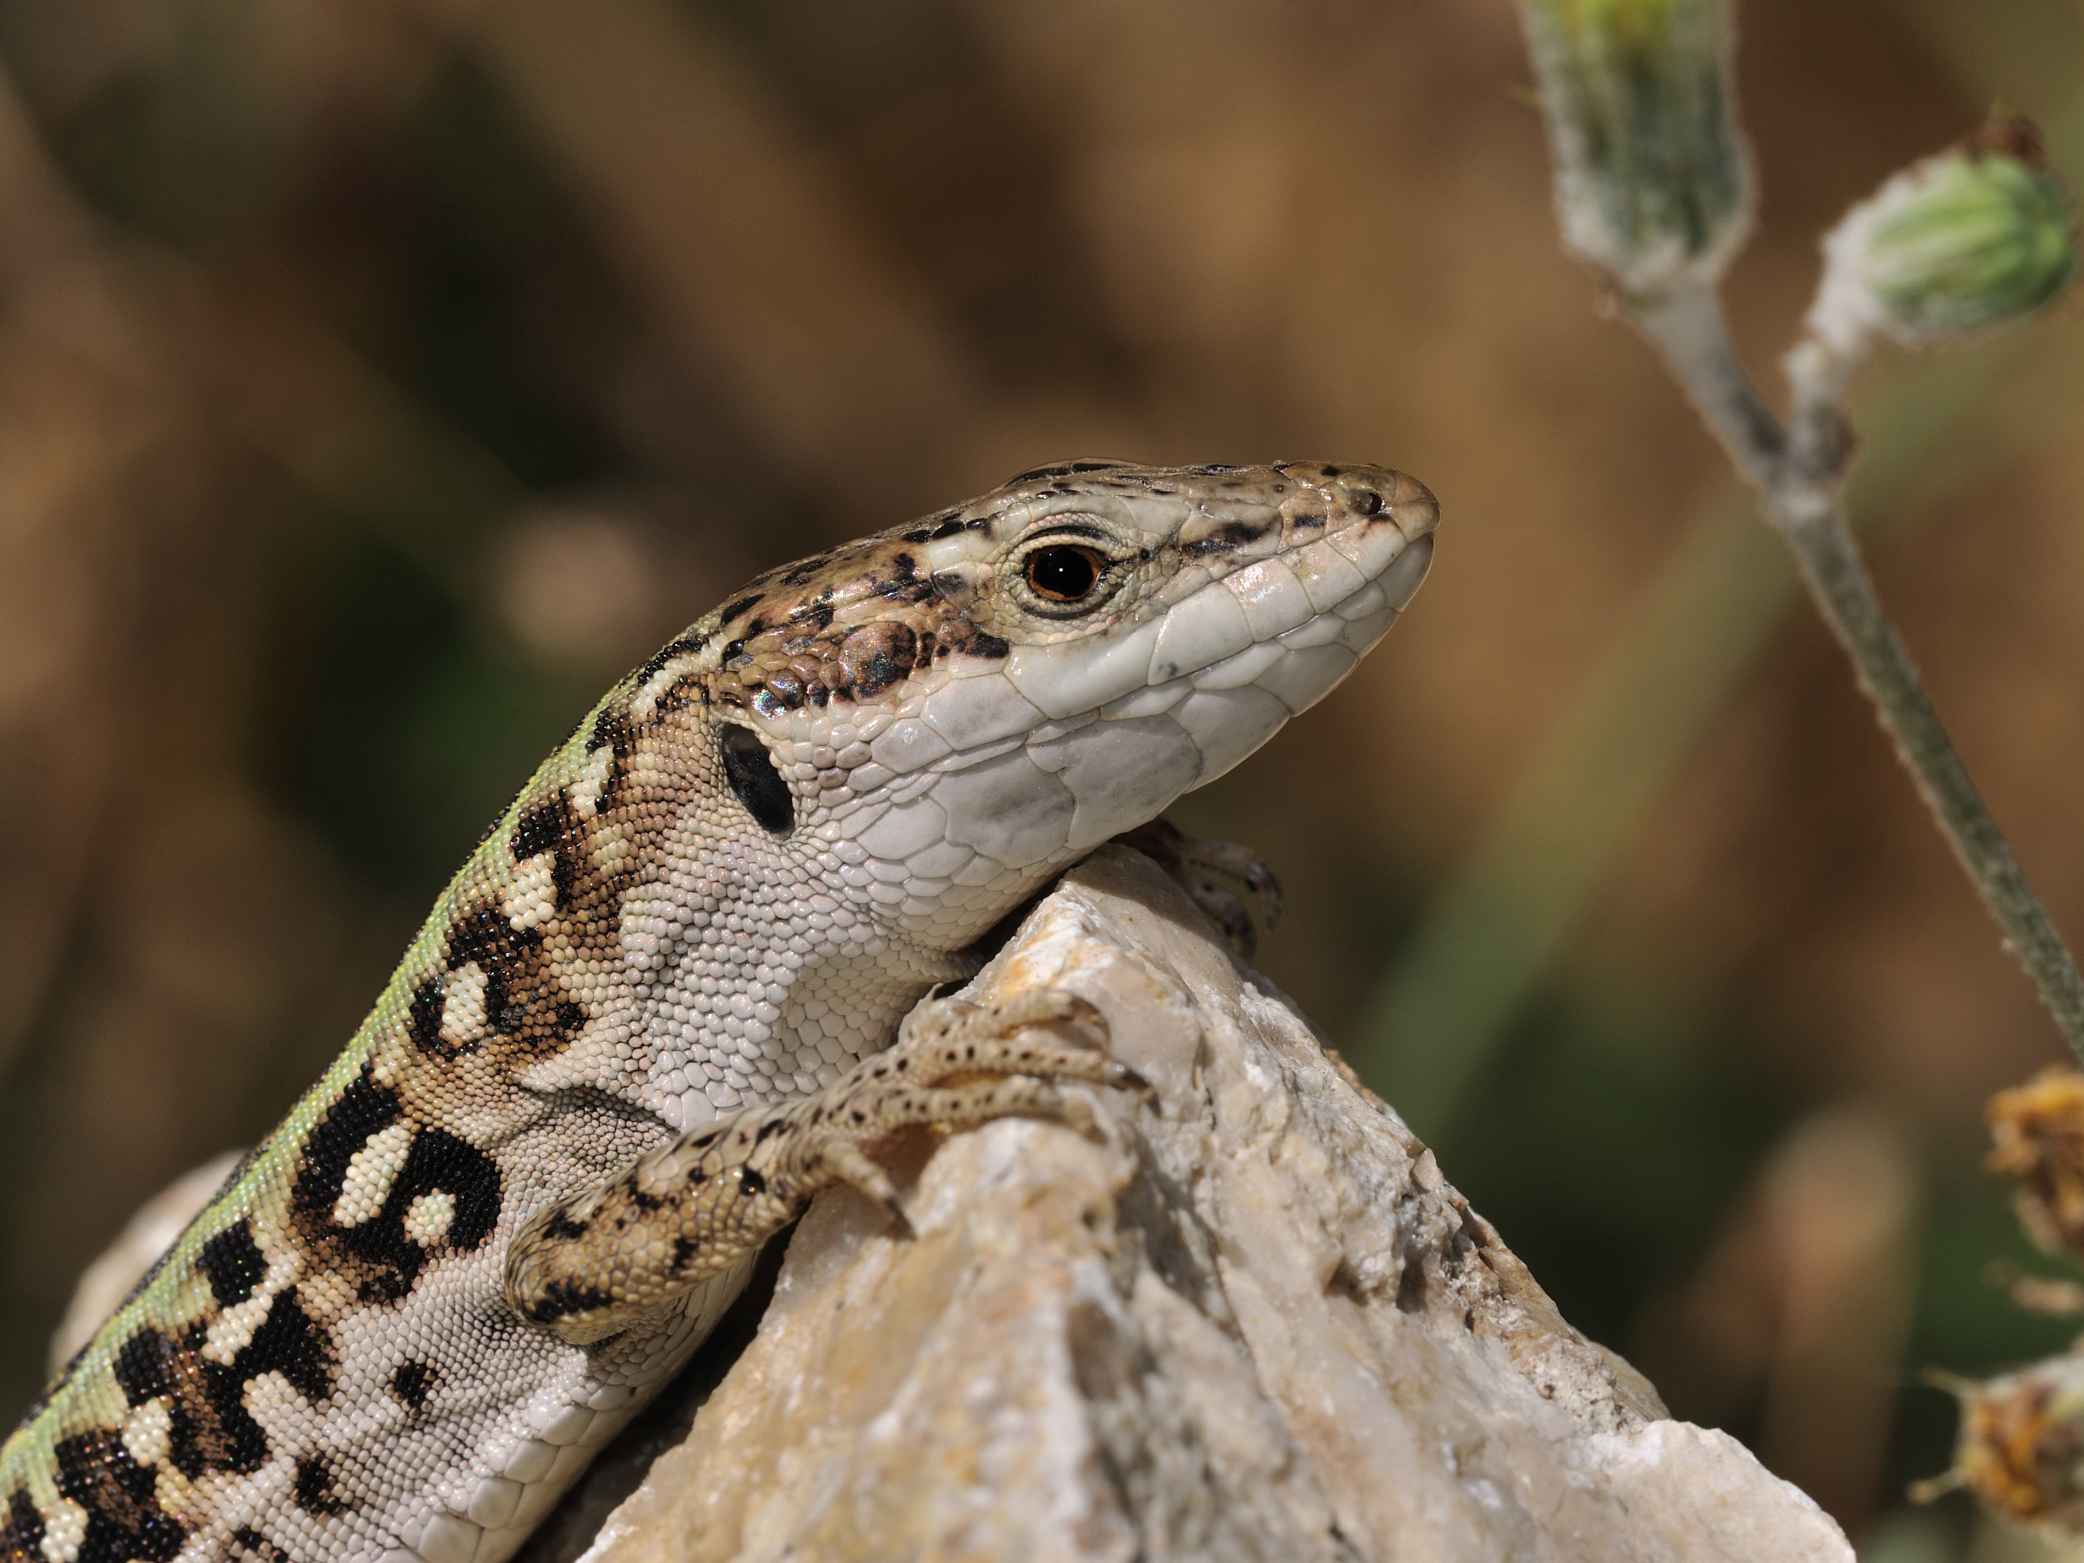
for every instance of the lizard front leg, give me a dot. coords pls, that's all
(596, 1263)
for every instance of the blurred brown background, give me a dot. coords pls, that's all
(378, 381)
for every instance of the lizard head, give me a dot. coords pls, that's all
(980, 697)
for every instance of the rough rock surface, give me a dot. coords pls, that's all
(1255, 1323)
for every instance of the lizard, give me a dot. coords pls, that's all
(652, 1015)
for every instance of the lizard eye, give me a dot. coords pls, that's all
(1064, 572)
(754, 779)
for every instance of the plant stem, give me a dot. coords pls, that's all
(1798, 474)
(1837, 577)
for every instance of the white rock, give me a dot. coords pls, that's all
(1261, 1325)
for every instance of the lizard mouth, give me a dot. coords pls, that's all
(1276, 634)
(1267, 593)
(1272, 608)
(1353, 548)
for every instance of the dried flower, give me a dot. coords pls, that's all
(2037, 1140)
(2021, 1445)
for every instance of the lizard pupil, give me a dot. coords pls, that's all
(754, 779)
(1063, 573)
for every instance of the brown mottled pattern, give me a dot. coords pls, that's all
(325, 1364)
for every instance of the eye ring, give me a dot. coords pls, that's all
(1064, 573)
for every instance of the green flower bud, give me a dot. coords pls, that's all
(1652, 180)
(1976, 235)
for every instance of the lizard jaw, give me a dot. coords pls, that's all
(1264, 604)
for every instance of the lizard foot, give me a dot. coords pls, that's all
(594, 1264)
(1227, 881)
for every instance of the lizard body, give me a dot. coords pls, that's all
(646, 1020)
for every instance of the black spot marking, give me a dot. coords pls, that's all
(365, 1109)
(314, 1488)
(423, 1018)
(1367, 502)
(882, 671)
(483, 934)
(233, 1264)
(817, 613)
(1232, 534)
(209, 1427)
(552, 826)
(671, 651)
(413, 1383)
(798, 574)
(730, 653)
(141, 1366)
(758, 785)
(561, 1299)
(984, 644)
(750, 1183)
(732, 610)
(436, 1161)
(1213, 469)
(524, 1002)
(290, 1342)
(250, 1543)
(684, 1249)
(945, 529)
(611, 730)
(563, 1227)
(769, 1130)
(21, 1530)
(124, 1519)
(918, 534)
(874, 657)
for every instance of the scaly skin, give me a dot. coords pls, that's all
(638, 1030)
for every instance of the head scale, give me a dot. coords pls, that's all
(978, 698)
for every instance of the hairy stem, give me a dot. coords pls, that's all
(1837, 577)
(1797, 473)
